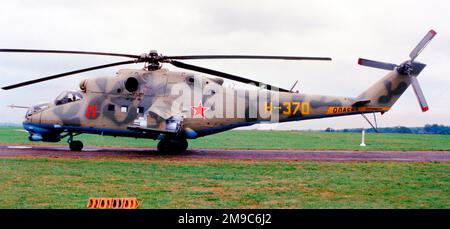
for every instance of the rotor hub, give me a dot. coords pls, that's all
(152, 60)
(405, 68)
(410, 68)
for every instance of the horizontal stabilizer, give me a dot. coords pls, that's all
(360, 103)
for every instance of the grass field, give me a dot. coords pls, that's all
(64, 183)
(264, 140)
(213, 183)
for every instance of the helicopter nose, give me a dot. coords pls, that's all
(34, 118)
(32, 125)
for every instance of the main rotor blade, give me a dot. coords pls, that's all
(422, 44)
(224, 75)
(416, 86)
(68, 52)
(197, 57)
(376, 64)
(66, 74)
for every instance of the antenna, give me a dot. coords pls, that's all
(292, 88)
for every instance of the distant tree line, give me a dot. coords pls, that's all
(427, 129)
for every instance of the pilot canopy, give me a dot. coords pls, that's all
(68, 97)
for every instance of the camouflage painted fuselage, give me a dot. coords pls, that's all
(203, 104)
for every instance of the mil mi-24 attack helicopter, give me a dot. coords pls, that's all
(172, 107)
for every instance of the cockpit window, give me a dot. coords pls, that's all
(68, 97)
(36, 108)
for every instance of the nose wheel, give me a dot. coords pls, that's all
(74, 145)
(172, 146)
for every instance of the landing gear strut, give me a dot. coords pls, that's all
(74, 145)
(172, 146)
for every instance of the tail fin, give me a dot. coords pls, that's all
(386, 91)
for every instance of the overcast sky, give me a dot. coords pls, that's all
(343, 30)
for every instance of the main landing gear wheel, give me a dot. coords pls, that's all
(172, 146)
(76, 145)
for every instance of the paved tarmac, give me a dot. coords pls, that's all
(151, 153)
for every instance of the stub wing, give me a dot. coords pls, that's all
(165, 107)
(172, 125)
(151, 130)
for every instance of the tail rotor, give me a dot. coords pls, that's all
(409, 68)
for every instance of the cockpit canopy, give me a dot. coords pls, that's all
(36, 108)
(68, 97)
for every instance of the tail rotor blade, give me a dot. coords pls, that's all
(415, 85)
(376, 64)
(422, 44)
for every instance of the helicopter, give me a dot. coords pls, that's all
(172, 107)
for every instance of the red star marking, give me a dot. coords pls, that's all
(200, 109)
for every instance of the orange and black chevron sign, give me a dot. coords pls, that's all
(114, 203)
